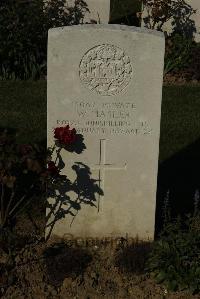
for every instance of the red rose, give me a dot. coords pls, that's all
(52, 168)
(64, 135)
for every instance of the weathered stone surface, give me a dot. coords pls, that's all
(99, 11)
(106, 81)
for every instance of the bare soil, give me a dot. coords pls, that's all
(181, 78)
(59, 269)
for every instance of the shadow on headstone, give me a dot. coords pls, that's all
(179, 12)
(179, 177)
(87, 190)
(125, 12)
(130, 20)
(182, 22)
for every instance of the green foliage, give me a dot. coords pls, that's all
(23, 34)
(22, 40)
(178, 53)
(175, 257)
(195, 62)
(21, 167)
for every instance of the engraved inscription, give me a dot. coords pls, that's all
(106, 69)
(102, 166)
(114, 118)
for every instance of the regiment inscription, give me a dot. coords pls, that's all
(115, 118)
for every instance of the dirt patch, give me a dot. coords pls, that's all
(181, 78)
(56, 269)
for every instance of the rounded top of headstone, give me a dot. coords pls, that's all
(106, 27)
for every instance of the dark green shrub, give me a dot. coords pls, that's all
(22, 40)
(21, 170)
(23, 34)
(178, 53)
(175, 257)
(194, 66)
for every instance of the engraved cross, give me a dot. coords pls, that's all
(102, 166)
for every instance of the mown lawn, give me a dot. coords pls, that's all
(180, 119)
(23, 107)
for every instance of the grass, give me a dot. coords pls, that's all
(180, 125)
(23, 107)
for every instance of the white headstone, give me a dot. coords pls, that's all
(99, 11)
(106, 82)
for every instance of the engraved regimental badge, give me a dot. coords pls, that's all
(106, 69)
